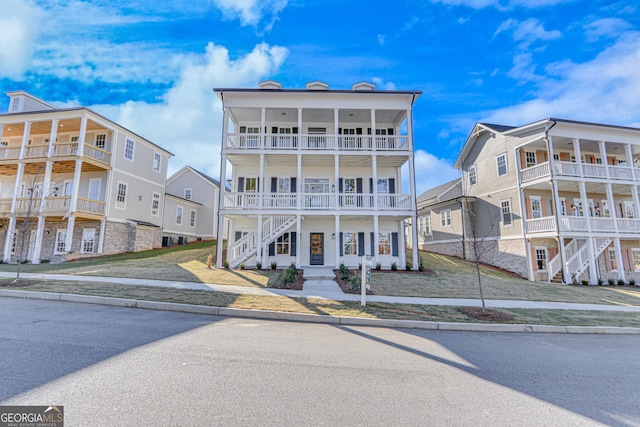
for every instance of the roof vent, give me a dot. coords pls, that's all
(363, 86)
(270, 84)
(317, 85)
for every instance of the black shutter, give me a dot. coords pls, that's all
(368, 131)
(394, 244)
(238, 235)
(341, 244)
(274, 129)
(243, 129)
(274, 184)
(240, 184)
(358, 131)
(339, 185)
(358, 185)
(272, 248)
(339, 131)
(294, 130)
(371, 185)
(293, 184)
(274, 139)
(360, 244)
(390, 131)
(392, 186)
(294, 243)
(257, 185)
(373, 245)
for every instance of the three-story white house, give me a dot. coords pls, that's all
(316, 175)
(75, 184)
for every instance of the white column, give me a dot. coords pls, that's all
(260, 255)
(336, 180)
(612, 205)
(82, 136)
(299, 183)
(410, 129)
(551, 159)
(69, 240)
(102, 233)
(636, 203)
(375, 240)
(261, 182)
(530, 258)
(603, 156)
(374, 180)
(25, 139)
(618, 248)
(336, 122)
(8, 240)
(402, 246)
(337, 241)
(374, 144)
(414, 240)
(563, 257)
(263, 127)
(46, 185)
(76, 186)
(223, 186)
(585, 204)
(593, 267)
(578, 154)
(37, 246)
(629, 154)
(299, 144)
(299, 237)
(53, 135)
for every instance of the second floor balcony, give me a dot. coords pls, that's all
(585, 170)
(53, 206)
(243, 141)
(59, 151)
(581, 224)
(318, 201)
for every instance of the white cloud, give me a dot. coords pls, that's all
(527, 32)
(188, 120)
(500, 4)
(19, 21)
(381, 39)
(251, 12)
(605, 89)
(431, 171)
(381, 84)
(524, 70)
(606, 27)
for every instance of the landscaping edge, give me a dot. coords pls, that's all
(315, 318)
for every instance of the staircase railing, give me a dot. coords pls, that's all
(247, 246)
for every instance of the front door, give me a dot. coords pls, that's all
(317, 249)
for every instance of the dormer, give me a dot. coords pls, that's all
(270, 84)
(317, 85)
(363, 86)
(20, 102)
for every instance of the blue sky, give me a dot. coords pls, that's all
(150, 65)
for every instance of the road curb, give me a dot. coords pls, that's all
(315, 318)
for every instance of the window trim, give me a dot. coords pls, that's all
(527, 163)
(280, 244)
(126, 149)
(506, 166)
(384, 244)
(613, 259)
(546, 258)
(179, 214)
(86, 231)
(445, 218)
(56, 243)
(472, 173)
(91, 181)
(157, 165)
(353, 244)
(188, 193)
(502, 213)
(122, 205)
(424, 223)
(155, 199)
(539, 200)
(192, 218)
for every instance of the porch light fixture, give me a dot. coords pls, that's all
(333, 188)
(333, 236)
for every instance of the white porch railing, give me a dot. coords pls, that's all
(539, 225)
(242, 248)
(534, 172)
(573, 223)
(9, 153)
(566, 168)
(65, 149)
(57, 204)
(270, 141)
(318, 200)
(621, 172)
(355, 201)
(602, 224)
(578, 263)
(571, 248)
(594, 170)
(98, 154)
(34, 151)
(241, 200)
(280, 200)
(5, 205)
(628, 225)
(91, 206)
(318, 142)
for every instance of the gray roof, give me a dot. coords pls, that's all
(498, 128)
(207, 177)
(436, 192)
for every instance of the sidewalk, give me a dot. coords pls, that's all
(330, 293)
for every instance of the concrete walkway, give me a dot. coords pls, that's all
(320, 285)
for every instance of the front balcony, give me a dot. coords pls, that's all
(53, 206)
(243, 141)
(61, 151)
(584, 170)
(574, 224)
(318, 201)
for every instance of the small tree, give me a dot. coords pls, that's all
(481, 225)
(27, 207)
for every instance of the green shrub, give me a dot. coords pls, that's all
(274, 265)
(600, 282)
(632, 282)
(45, 261)
(242, 266)
(226, 263)
(407, 267)
(611, 282)
(378, 266)
(259, 265)
(621, 282)
(394, 267)
(421, 266)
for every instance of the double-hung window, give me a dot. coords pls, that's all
(536, 207)
(424, 225)
(192, 218)
(188, 192)
(445, 218)
(155, 204)
(384, 243)
(179, 210)
(613, 262)
(156, 162)
(473, 176)
(530, 158)
(501, 161)
(88, 240)
(121, 196)
(101, 141)
(282, 244)
(505, 208)
(128, 149)
(541, 259)
(350, 243)
(61, 237)
(635, 255)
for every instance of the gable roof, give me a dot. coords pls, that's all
(447, 191)
(195, 171)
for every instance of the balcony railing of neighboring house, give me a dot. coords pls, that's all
(5, 205)
(541, 225)
(315, 142)
(587, 170)
(35, 151)
(98, 154)
(57, 205)
(9, 153)
(317, 201)
(581, 224)
(90, 206)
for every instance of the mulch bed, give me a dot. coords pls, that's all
(22, 283)
(296, 285)
(488, 315)
(346, 285)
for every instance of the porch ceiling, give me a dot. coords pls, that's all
(570, 186)
(44, 127)
(315, 115)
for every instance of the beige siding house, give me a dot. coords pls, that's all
(554, 200)
(316, 175)
(75, 184)
(191, 211)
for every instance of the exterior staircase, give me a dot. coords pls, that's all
(272, 228)
(577, 259)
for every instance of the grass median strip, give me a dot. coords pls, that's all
(328, 307)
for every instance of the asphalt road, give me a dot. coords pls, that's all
(113, 366)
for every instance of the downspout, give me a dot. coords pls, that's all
(464, 247)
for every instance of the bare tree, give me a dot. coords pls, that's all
(28, 205)
(481, 225)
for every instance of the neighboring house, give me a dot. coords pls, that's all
(82, 184)
(558, 198)
(316, 175)
(191, 209)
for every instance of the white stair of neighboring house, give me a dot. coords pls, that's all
(272, 228)
(578, 258)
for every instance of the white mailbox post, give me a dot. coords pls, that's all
(365, 280)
